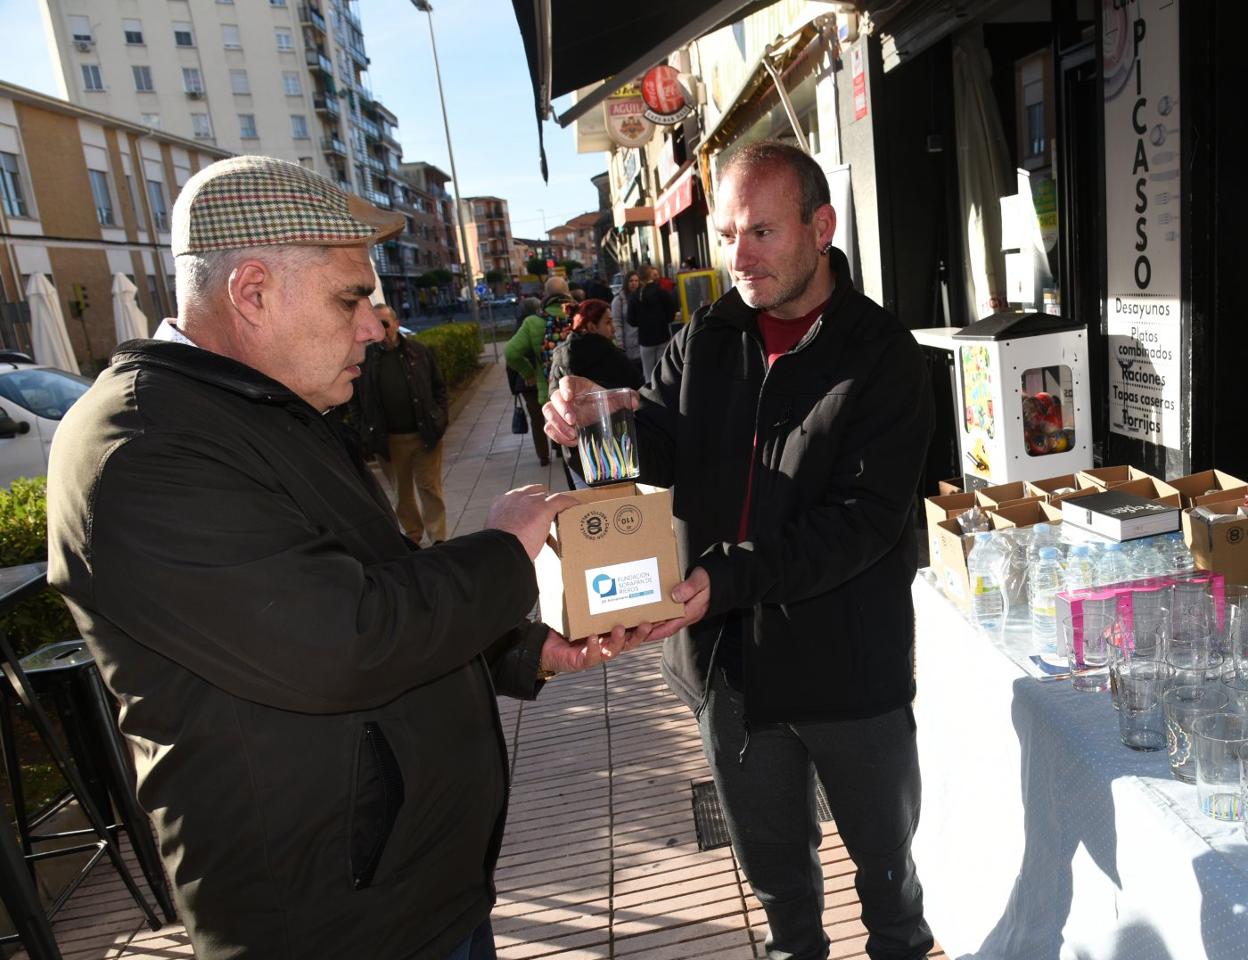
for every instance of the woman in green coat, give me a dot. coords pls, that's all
(528, 354)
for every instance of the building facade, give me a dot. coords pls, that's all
(574, 240)
(277, 77)
(86, 196)
(487, 224)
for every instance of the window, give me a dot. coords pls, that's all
(238, 82)
(201, 126)
(103, 198)
(291, 84)
(247, 126)
(156, 199)
(285, 41)
(45, 393)
(1048, 408)
(182, 35)
(91, 79)
(142, 79)
(299, 126)
(80, 30)
(192, 80)
(133, 30)
(230, 36)
(11, 186)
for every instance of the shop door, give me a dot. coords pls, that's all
(1082, 240)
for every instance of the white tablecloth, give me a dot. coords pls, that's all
(1043, 837)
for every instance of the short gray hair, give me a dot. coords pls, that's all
(201, 276)
(812, 182)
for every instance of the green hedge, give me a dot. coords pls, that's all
(457, 347)
(43, 618)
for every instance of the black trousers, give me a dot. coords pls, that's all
(870, 772)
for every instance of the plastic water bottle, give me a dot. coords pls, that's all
(1043, 535)
(1080, 573)
(1180, 558)
(1047, 578)
(1146, 561)
(1113, 567)
(983, 565)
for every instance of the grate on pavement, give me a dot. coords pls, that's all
(708, 815)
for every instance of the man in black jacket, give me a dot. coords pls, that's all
(310, 701)
(651, 311)
(791, 420)
(401, 409)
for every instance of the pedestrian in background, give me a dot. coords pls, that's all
(528, 354)
(401, 410)
(625, 332)
(651, 311)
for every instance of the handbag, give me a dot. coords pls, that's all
(519, 422)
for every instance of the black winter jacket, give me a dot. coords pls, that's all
(651, 311)
(843, 425)
(425, 386)
(310, 701)
(595, 357)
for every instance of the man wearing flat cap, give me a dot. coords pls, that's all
(310, 700)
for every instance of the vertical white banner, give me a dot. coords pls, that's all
(1140, 60)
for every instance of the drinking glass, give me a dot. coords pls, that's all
(1235, 686)
(1086, 640)
(606, 436)
(1217, 740)
(1183, 705)
(1141, 722)
(1243, 784)
(1236, 642)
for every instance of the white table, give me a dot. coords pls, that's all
(1042, 836)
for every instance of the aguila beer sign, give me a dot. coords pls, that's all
(625, 115)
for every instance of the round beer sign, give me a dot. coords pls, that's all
(625, 116)
(663, 96)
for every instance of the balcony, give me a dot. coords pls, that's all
(378, 199)
(370, 129)
(311, 15)
(358, 55)
(325, 103)
(318, 60)
(333, 145)
(375, 165)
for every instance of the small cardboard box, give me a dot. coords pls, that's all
(946, 487)
(1003, 494)
(1044, 488)
(1106, 477)
(1208, 486)
(1151, 489)
(1025, 514)
(1219, 545)
(609, 561)
(942, 508)
(952, 574)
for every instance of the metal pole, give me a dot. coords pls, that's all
(459, 214)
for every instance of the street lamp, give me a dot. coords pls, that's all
(427, 8)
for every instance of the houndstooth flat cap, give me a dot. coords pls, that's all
(254, 201)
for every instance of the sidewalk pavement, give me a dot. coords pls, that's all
(600, 859)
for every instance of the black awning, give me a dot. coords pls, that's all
(573, 43)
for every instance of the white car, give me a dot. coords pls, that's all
(33, 399)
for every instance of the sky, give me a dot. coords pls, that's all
(489, 99)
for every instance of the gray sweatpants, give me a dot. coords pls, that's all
(870, 772)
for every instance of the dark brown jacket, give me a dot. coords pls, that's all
(310, 701)
(425, 388)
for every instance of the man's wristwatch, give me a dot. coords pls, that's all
(546, 674)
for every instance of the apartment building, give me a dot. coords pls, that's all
(433, 222)
(278, 77)
(84, 196)
(488, 226)
(574, 240)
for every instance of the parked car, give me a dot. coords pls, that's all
(33, 399)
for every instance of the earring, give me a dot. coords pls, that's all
(827, 247)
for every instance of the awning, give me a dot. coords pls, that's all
(571, 44)
(676, 198)
(632, 216)
(908, 27)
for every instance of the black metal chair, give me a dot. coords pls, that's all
(99, 772)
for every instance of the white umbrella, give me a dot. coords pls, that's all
(128, 320)
(48, 337)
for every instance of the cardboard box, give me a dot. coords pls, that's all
(952, 574)
(946, 487)
(1003, 494)
(609, 561)
(1106, 477)
(1150, 488)
(1219, 545)
(1025, 514)
(1044, 488)
(1208, 486)
(942, 508)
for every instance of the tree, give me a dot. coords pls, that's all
(537, 266)
(570, 265)
(494, 276)
(440, 277)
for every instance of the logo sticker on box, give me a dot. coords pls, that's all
(623, 585)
